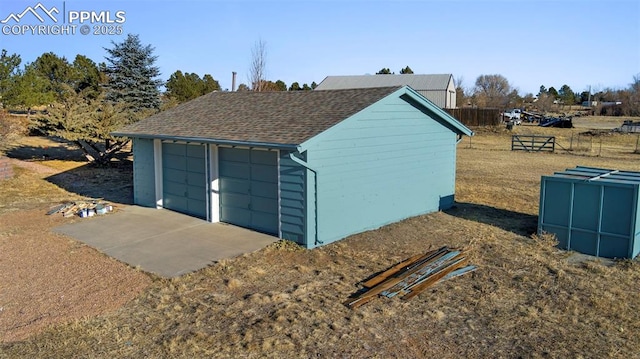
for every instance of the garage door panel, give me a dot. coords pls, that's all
(185, 205)
(174, 188)
(196, 207)
(230, 185)
(173, 175)
(194, 192)
(264, 157)
(249, 188)
(184, 178)
(196, 179)
(174, 149)
(238, 216)
(175, 202)
(234, 170)
(262, 189)
(263, 222)
(234, 154)
(265, 205)
(196, 165)
(195, 152)
(234, 200)
(174, 162)
(264, 173)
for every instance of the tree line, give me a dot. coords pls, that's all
(496, 91)
(84, 101)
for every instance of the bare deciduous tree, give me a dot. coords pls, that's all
(492, 90)
(462, 97)
(258, 67)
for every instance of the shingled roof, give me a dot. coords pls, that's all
(281, 117)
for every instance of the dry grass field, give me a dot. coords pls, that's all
(526, 300)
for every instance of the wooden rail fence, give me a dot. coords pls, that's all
(533, 143)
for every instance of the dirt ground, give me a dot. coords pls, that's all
(527, 299)
(46, 278)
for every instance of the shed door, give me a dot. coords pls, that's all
(184, 182)
(249, 188)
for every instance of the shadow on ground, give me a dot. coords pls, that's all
(113, 183)
(48, 151)
(519, 223)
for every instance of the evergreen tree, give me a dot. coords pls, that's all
(543, 90)
(132, 75)
(406, 70)
(86, 76)
(83, 116)
(384, 71)
(9, 67)
(314, 85)
(184, 87)
(281, 86)
(57, 71)
(29, 89)
(295, 87)
(209, 84)
(87, 122)
(566, 95)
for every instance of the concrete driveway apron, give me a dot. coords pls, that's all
(164, 242)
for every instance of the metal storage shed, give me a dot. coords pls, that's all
(308, 166)
(592, 211)
(440, 89)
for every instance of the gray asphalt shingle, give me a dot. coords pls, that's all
(287, 117)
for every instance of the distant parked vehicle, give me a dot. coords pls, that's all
(514, 116)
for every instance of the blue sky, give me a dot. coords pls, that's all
(531, 43)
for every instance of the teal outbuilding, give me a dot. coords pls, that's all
(308, 166)
(593, 211)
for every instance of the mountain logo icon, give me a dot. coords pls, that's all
(35, 11)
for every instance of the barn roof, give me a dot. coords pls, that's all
(284, 118)
(417, 82)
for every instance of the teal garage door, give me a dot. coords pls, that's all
(184, 180)
(249, 188)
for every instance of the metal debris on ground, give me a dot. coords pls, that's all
(85, 208)
(412, 276)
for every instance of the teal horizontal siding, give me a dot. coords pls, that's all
(292, 203)
(144, 184)
(387, 163)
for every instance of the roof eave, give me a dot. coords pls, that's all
(216, 141)
(455, 125)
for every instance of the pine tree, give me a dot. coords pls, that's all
(28, 90)
(83, 116)
(406, 71)
(132, 75)
(384, 71)
(184, 87)
(9, 68)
